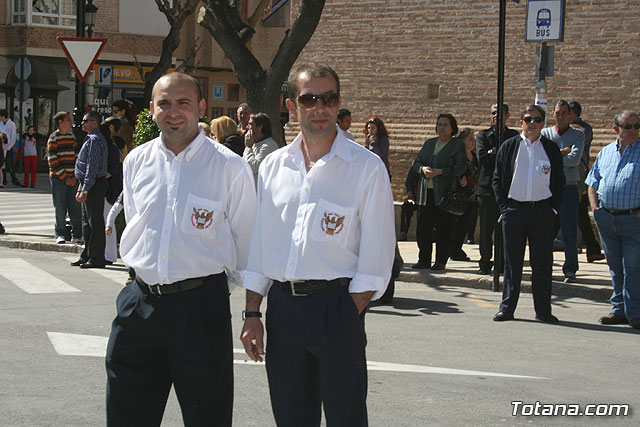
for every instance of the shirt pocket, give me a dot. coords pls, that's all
(331, 223)
(201, 216)
(545, 168)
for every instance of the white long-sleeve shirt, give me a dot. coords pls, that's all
(188, 215)
(531, 173)
(336, 220)
(9, 129)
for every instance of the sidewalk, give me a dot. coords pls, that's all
(19, 206)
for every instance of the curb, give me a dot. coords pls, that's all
(590, 292)
(41, 246)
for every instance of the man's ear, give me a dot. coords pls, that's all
(202, 106)
(291, 106)
(153, 113)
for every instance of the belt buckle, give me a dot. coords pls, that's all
(292, 284)
(155, 291)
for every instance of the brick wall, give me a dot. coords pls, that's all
(387, 53)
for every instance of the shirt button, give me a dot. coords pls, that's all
(169, 207)
(164, 257)
(173, 183)
(306, 188)
(291, 264)
(165, 231)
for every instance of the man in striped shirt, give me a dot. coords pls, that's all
(61, 156)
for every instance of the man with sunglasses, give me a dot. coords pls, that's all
(322, 248)
(487, 147)
(570, 141)
(614, 195)
(91, 171)
(528, 183)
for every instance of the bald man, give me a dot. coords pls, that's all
(189, 214)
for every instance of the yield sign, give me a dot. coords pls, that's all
(82, 53)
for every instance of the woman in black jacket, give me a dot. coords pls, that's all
(440, 163)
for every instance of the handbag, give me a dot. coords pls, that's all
(454, 200)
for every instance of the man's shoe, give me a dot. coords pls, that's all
(438, 266)
(595, 257)
(460, 258)
(77, 241)
(635, 323)
(570, 278)
(2, 230)
(484, 271)
(547, 318)
(60, 240)
(78, 262)
(91, 264)
(107, 262)
(469, 242)
(501, 316)
(613, 319)
(420, 265)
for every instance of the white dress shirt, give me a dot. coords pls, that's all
(347, 134)
(336, 220)
(188, 215)
(532, 172)
(9, 129)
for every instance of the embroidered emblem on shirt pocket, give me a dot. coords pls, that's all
(331, 223)
(200, 216)
(545, 167)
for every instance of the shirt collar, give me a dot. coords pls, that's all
(186, 154)
(525, 139)
(340, 148)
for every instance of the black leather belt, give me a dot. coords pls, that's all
(620, 212)
(537, 202)
(311, 287)
(181, 286)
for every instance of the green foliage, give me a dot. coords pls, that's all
(146, 128)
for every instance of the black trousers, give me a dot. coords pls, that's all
(461, 226)
(584, 225)
(488, 212)
(431, 216)
(316, 355)
(521, 223)
(8, 167)
(182, 339)
(93, 223)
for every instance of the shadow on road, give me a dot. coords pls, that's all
(428, 307)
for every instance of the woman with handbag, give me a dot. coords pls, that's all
(440, 163)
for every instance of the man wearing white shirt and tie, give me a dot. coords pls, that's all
(322, 248)
(528, 182)
(189, 206)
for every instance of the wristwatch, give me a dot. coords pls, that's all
(246, 314)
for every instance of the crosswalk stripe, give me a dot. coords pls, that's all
(31, 279)
(48, 229)
(27, 220)
(28, 214)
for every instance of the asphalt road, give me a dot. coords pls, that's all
(436, 357)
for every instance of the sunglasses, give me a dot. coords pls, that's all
(88, 120)
(629, 126)
(309, 100)
(529, 119)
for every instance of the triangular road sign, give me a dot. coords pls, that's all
(82, 53)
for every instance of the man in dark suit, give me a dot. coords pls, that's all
(487, 147)
(528, 182)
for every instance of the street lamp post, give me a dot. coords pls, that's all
(90, 12)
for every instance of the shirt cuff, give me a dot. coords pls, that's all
(255, 282)
(365, 282)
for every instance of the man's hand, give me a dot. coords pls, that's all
(252, 337)
(564, 151)
(249, 139)
(81, 196)
(108, 230)
(463, 181)
(361, 299)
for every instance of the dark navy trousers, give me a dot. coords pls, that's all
(182, 339)
(521, 222)
(315, 357)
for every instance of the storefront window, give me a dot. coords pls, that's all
(56, 13)
(45, 112)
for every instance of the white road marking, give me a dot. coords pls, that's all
(90, 345)
(78, 345)
(29, 220)
(31, 279)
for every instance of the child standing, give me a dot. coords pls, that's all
(30, 157)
